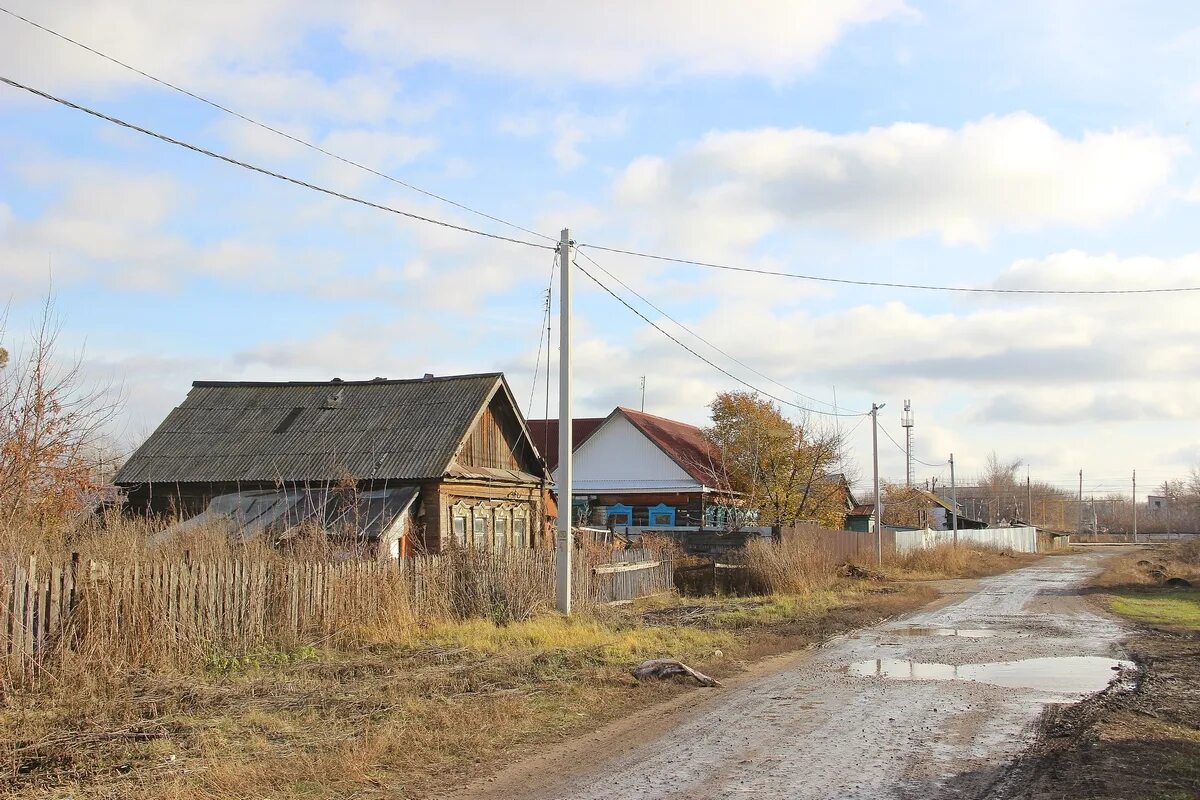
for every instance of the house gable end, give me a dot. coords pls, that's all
(498, 438)
(619, 451)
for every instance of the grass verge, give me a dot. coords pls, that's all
(397, 719)
(1170, 608)
(967, 560)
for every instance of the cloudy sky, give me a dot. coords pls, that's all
(1017, 145)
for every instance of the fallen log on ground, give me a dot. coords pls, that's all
(669, 667)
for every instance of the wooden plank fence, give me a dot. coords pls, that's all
(629, 575)
(180, 610)
(843, 546)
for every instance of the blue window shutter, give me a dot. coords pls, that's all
(661, 510)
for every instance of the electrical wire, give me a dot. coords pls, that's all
(543, 335)
(266, 127)
(885, 284)
(854, 427)
(712, 364)
(515, 226)
(263, 171)
(732, 358)
(900, 447)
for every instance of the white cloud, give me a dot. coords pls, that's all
(1013, 172)
(245, 51)
(567, 131)
(619, 42)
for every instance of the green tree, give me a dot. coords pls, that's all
(788, 471)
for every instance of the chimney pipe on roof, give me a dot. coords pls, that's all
(428, 376)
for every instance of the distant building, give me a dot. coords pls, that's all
(1156, 502)
(861, 518)
(404, 465)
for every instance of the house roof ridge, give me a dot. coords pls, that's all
(627, 410)
(340, 382)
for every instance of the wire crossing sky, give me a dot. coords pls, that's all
(988, 210)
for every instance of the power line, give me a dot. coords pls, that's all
(900, 447)
(732, 358)
(264, 171)
(515, 226)
(266, 127)
(543, 335)
(885, 284)
(715, 366)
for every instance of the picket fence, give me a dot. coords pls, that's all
(181, 610)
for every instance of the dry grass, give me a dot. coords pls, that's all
(965, 560)
(796, 565)
(403, 719)
(1152, 566)
(330, 723)
(397, 698)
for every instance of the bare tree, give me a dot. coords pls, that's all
(1000, 480)
(51, 432)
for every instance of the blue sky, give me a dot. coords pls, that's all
(1048, 144)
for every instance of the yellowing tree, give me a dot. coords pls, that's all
(905, 506)
(787, 471)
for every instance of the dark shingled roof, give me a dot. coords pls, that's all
(313, 431)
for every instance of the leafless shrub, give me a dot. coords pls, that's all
(51, 436)
(795, 565)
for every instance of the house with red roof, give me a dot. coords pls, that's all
(637, 469)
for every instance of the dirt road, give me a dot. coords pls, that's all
(934, 705)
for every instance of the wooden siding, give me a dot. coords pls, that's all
(496, 442)
(439, 536)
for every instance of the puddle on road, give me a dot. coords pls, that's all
(1073, 674)
(966, 633)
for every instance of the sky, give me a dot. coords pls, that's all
(993, 145)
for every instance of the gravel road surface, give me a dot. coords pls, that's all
(935, 705)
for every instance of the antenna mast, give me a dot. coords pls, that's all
(906, 419)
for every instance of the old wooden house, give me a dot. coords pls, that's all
(405, 465)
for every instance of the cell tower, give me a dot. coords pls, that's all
(906, 419)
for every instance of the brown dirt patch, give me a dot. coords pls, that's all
(1143, 742)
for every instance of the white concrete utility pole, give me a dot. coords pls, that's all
(1135, 506)
(1079, 530)
(878, 497)
(953, 500)
(563, 543)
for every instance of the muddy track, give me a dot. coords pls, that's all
(939, 704)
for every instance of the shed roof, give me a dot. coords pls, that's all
(314, 430)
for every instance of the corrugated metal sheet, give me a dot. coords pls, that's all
(387, 430)
(369, 515)
(1022, 540)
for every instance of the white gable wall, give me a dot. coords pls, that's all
(619, 452)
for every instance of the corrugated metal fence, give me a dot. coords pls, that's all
(1020, 540)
